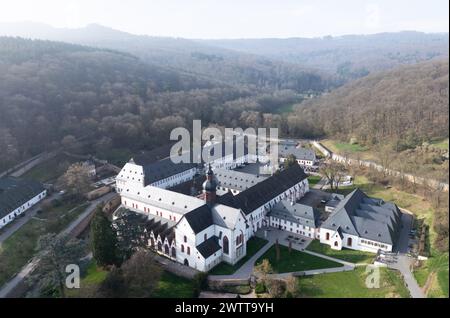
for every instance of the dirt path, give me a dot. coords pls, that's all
(427, 286)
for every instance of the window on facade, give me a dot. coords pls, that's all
(225, 243)
(205, 237)
(185, 239)
(349, 241)
(327, 236)
(188, 250)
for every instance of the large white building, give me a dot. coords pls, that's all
(203, 230)
(17, 196)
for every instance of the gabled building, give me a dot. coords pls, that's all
(305, 157)
(17, 196)
(235, 181)
(362, 223)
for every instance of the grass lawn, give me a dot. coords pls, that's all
(339, 147)
(19, 248)
(343, 148)
(436, 269)
(312, 180)
(352, 285)
(253, 246)
(51, 169)
(116, 156)
(89, 283)
(345, 255)
(288, 108)
(441, 144)
(173, 286)
(295, 261)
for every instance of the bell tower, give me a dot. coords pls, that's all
(209, 187)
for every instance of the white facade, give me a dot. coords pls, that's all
(22, 209)
(339, 241)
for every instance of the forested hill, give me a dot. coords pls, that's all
(197, 59)
(405, 106)
(52, 94)
(349, 56)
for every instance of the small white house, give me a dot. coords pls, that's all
(17, 196)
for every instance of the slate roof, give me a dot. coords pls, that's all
(226, 216)
(299, 213)
(164, 199)
(163, 169)
(258, 195)
(299, 153)
(200, 218)
(236, 180)
(148, 157)
(366, 217)
(16, 192)
(211, 155)
(209, 247)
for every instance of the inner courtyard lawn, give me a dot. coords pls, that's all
(352, 285)
(253, 246)
(295, 261)
(345, 254)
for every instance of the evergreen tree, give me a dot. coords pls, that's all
(103, 240)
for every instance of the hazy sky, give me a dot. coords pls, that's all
(236, 18)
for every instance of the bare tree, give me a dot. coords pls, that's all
(334, 172)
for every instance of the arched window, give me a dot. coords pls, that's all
(185, 239)
(186, 262)
(152, 242)
(349, 241)
(188, 250)
(225, 245)
(336, 243)
(327, 236)
(182, 248)
(159, 246)
(174, 252)
(166, 249)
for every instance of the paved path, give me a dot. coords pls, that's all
(31, 265)
(11, 228)
(246, 269)
(176, 268)
(319, 185)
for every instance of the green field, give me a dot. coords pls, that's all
(341, 147)
(173, 286)
(436, 270)
(89, 283)
(51, 169)
(441, 144)
(19, 248)
(352, 285)
(169, 286)
(289, 108)
(295, 261)
(345, 254)
(253, 246)
(118, 157)
(313, 180)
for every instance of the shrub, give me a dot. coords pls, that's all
(200, 282)
(260, 288)
(56, 203)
